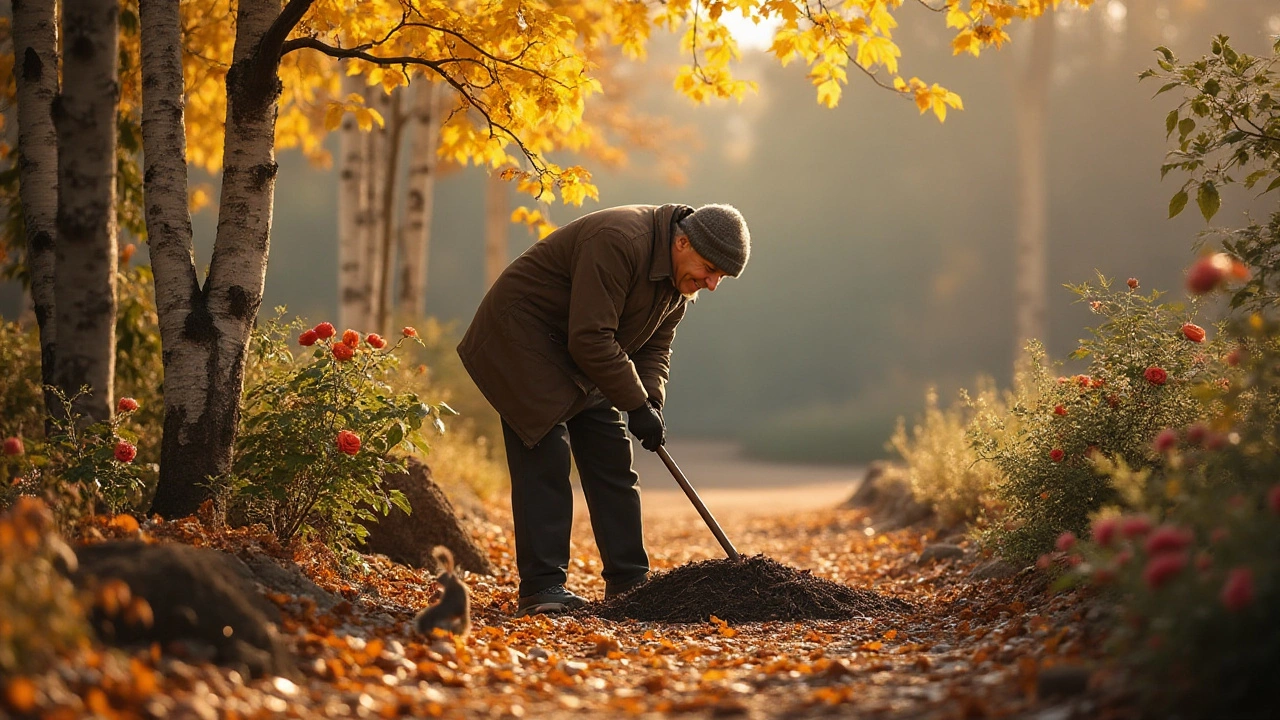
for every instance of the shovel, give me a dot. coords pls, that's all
(698, 504)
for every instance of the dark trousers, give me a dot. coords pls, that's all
(542, 499)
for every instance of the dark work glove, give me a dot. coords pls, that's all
(645, 423)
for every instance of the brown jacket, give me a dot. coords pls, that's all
(590, 306)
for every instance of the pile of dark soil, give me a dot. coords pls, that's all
(753, 588)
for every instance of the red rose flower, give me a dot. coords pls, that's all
(325, 330)
(1096, 306)
(1097, 382)
(343, 352)
(1083, 380)
(1132, 283)
(348, 442)
(308, 338)
(1236, 355)
(1105, 530)
(1197, 432)
(1056, 454)
(1155, 375)
(1193, 332)
(409, 332)
(1167, 538)
(1134, 525)
(126, 405)
(125, 451)
(375, 340)
(13, 446)
(126, 253)
(1059, 410)
(1204, 275)
(1218, 535)
(1162, 568)
(350, 338)
(1273, 495)
(1165, 441)
(1066, 541)
(1237, 593)
(1113, 400)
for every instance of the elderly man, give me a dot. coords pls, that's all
(575, 330)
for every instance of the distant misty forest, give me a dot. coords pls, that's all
(882, 240)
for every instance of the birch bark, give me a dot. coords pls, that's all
(202, 415)
(387, 224)
(375, 154)
(352, 213)
(415, 236)
(497, 225)
(1031, 244)
(85, 255)
(35, 50)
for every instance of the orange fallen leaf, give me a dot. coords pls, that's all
(20, 694)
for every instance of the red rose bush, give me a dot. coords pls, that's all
(318, 432)
(1056, 440)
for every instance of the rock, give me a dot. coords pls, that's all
(885, 494)
(408, 539)
(286, 577)
(940, 551)
(994, 570)
(1062, 681)
(867, 492)
(197, 596)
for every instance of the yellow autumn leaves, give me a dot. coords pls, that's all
(830, 36)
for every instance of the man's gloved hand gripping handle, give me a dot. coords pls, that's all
(645, 422)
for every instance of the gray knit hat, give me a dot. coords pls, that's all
(719, 234)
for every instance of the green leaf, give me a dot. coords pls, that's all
(446, 410)
(1211, 87)
(1170, 122)
(1166, 87)
(1255, 176)
(1178, 202)
(1208, 200)
(395, 435)
(1274, 184)
(1185, 126)
(1168, 54)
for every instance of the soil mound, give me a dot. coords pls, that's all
(753, 588)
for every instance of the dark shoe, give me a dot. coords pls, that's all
(613, 590)
(552, 600)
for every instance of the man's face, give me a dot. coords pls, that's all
(690, 272)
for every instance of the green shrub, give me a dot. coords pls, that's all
(1144, 375)
(316, 436)
(91, 468)
(21, 399)
(1198, 592)
(941, 467)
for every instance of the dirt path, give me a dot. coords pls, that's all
(968, 648)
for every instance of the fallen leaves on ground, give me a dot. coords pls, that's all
(966, 648)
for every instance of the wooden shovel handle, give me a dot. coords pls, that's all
(698, 504)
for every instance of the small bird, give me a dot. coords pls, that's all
(453, 611)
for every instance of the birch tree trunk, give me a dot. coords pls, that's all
(415, 236)
(202, 403)
(352, 213)
(85, 255)
(35, 50)
(386, 252)
(178, 293)
(1031, 243)
(375, 156)
(497, 224)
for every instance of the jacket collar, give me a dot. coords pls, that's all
(664, 226)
